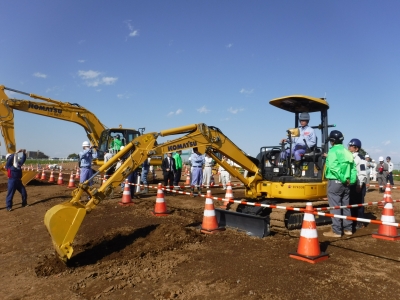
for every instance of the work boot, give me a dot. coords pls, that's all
(332, 234)
(144, 191)
(192, 192)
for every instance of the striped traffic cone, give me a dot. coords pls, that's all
(71, 183)
(126, 195)
(43, 175)
(51, 180)
(386, 232)
(104, 180)
(210, 223)
(160, 209)
(77, 174)
(60, 180)
(187, 182)
(228, 196)
(38, 174)
(308, 249)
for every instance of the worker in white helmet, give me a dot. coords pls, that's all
(85, 161)
(381, 174)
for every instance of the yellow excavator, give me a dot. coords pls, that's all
(268, 177)
(98, 134)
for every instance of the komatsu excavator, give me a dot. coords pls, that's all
(98, 134)
(268, 177)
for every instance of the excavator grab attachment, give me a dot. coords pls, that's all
(64, 220)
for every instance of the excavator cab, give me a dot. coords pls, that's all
(277, 167)
(108, 137)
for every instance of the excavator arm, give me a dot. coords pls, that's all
(71, 112)
(66, 111)
(211, 140)
(63, 220)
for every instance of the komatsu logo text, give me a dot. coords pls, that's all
(182, 146)
(45, 108)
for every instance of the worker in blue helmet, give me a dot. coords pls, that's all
(358, 190)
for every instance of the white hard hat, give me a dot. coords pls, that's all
(366, 155)
(8, 155)
(380, 158)
(85, 144)
(373, 160)
(122, 147)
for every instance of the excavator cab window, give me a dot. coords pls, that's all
(108, 140)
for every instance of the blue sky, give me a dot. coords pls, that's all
(164, 64)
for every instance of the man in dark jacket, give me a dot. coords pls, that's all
(169, 169)
(14, 172)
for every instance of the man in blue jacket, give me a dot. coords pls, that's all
(14, 172)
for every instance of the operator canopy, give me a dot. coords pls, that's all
(300, 103)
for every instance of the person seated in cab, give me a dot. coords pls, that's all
(299, 144)
(116, 144)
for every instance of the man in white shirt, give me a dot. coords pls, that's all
(225, 177)
(207, 172)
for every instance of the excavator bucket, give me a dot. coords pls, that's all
(27, 176)
(62, 222)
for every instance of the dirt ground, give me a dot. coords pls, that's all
(127, 253)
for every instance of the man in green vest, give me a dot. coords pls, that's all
(341, 172)
(178, 165)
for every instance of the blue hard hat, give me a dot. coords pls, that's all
(355, 142)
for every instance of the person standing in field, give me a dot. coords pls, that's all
(85, 161)
(207, 172)
(197, 160)
(168, 167)
(390, 171)
(381, 174)
(341, 173)
(358, 190)
(178, 166)
(14, 174)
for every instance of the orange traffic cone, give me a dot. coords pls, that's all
(126, 195)
(187, 182)
(210, 223)
(104, 180)
(60, 180)
(308, 249)
(77, 174)
(160, 209)
(387, 232)
(38, 174)
(51, 180)
(43, 175)
(228, 195)
(71, 183)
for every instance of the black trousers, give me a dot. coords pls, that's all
(168, 176)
